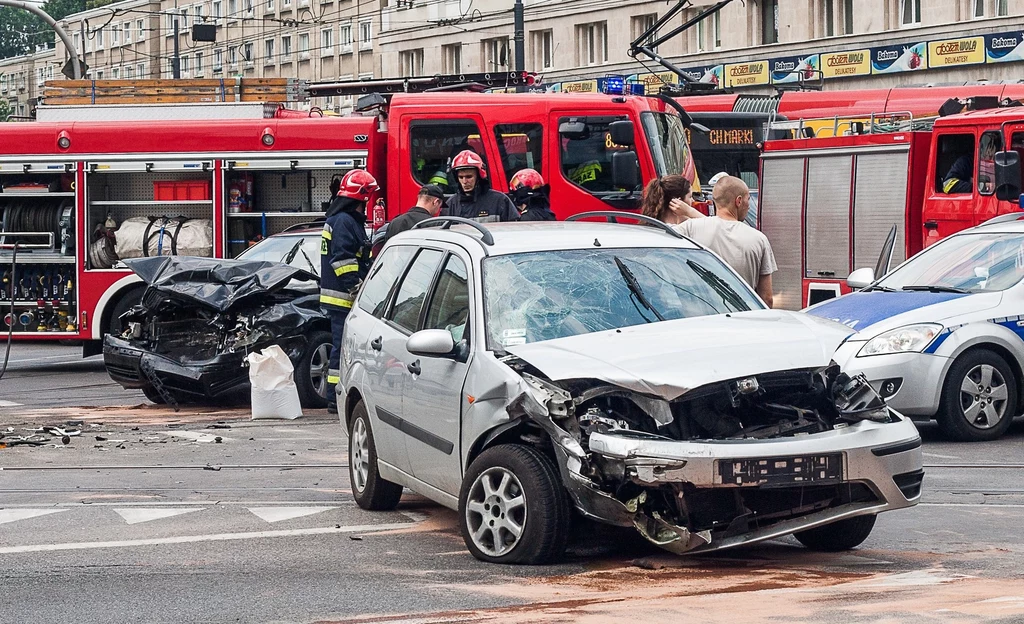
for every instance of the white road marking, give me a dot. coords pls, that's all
(277, 514)
(135, 516)
(9, 404)
(11, 515)
(940, 456)
(917, 578)
(220, 537)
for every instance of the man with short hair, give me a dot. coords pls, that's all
(429, 202)
(745, 249)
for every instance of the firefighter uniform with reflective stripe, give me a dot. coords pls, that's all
(343, 264)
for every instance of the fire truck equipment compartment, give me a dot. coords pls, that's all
(181, 190)
(141, 237)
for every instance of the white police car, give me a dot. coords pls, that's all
(942, 336)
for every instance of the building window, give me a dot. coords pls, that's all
(543, 49)
(115, 35)
(232, 7)
(141, 70)
(77, 41)
(365, 35)
(451, 58)
(592, 40)
(327, 40)
(770, 21)
(345, 38)
(183, 23)
(247, 52)
(140, 30)
(979, 8)
(115, 73)
(641, 23)
(217, 10)
(286, 48)
(129, 72)
(99, 73)
(709, 33)
(910, 12)
(411, 62)
(126, 32)
(716, 28)
(99, 39)
(829, 15)
(218, 60)
(847, 17)
(199, 63)
(268, 52)
(494, 53)
(270, 6)
(286, 2)
(232, 56)
(1002, 8)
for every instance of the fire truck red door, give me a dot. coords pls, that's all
(949, 200)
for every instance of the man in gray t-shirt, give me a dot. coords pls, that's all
(744, 248)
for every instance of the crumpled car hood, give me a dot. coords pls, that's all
(214, 283)
(668, 359)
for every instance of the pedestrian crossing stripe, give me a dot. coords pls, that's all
(12, 515)
(277, 514)
(137, 515)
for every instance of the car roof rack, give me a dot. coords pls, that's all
(612, 216)
(424, 84)
(446, 223)
(1004, 218)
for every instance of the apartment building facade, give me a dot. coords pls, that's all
(575, 40)
(21, 80)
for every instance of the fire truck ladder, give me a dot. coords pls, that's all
(455, 82)
(873, 123)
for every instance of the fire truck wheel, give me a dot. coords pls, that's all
(129, 299)
(311, 370)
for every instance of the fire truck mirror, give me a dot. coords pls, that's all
(622, 132)
(625, 170)
(861, 278)
(1007, 174)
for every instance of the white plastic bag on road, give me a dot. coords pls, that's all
(271, 376)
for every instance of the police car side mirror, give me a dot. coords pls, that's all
(1007, 173)
(625, 170)
(861, 278)
(622, 132)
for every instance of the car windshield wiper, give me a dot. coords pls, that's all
(288, 257)
(934, 288)
(728, 295)
(312, 269)
(878, 287)
(634, 287)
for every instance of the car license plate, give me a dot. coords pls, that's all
(779, 471)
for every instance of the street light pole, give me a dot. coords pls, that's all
(176, 60)
(519, 38)
(32, 8)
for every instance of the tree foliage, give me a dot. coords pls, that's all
(22, 32)
(5, 110)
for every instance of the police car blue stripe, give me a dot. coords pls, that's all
(860, 310)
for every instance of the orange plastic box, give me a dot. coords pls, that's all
(181, 190)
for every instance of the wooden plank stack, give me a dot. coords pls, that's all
(78, 92)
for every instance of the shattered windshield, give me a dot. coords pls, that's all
(531, 297)
(301, 252)
(983, 262)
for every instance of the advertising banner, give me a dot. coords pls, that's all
(846, 64)
(899, 58)
(711, 74)
(953, 52)
(1004, 47)
(792, 68)
(579, 86)
(747, 74)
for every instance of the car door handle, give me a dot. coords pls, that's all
(414, 368)
(377, 344)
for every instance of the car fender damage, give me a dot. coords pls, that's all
(723, 464)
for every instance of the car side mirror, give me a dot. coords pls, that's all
(622, 132)
(1007, 172)
(861, 278)
(625, 170)
(431, 343)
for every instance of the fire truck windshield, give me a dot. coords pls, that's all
(667, 139)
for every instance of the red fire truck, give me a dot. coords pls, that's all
(828, 203)
(66, 185)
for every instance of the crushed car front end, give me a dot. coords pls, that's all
(702, 463)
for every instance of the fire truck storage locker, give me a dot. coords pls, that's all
(37, 207)
(123, 199)
(264, 196)
(827, 212)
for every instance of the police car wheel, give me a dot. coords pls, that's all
(979, 398)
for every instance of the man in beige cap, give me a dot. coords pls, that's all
(744, 248)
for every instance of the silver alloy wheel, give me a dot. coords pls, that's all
(496, 511)
(359, 455)
(318, 366)
(983, 396)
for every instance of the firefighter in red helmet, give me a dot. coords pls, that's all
(474, 198)
(344, 261)
(529, 193)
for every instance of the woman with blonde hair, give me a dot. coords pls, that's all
(668, 199)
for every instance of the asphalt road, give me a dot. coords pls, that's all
(146, 517)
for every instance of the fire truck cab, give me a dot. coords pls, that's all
(74, 178)
(828, 203)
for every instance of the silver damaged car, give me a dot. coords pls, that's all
(519, 373)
